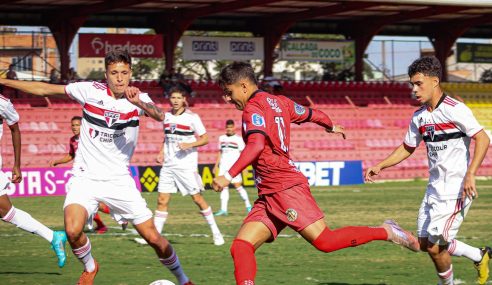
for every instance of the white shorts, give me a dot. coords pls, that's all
(188, 182)
(237, 179)
(121, 195)
(4, 183)
(440, 220)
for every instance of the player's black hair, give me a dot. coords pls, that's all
(177, 89)
(119, 55)
(78, 118)
(427, 65)
(235, 71)
(229, 122)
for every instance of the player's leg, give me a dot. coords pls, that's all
(165, 252)
(249, 238)
(442, 262)
(167, 186)
(189, 182)
(80, 201)
(24, 221)
(207, 214)
(224, 200)
(243, 194)
(161, 213)
(127, 203)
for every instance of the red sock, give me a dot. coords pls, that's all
(243, 254)
(98, 221)
(329, 241)
(104, 209)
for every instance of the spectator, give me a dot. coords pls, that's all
(72, 75)
(11, 74)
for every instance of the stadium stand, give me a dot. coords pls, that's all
(376, 116)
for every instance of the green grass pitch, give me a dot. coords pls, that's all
(27, 259)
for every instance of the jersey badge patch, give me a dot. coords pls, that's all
(93, 133)
(172, 127)
(258, 120)
(291, 214)
(430, 131)
(111, 117)
(299, 109)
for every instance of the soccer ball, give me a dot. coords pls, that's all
(162, 282)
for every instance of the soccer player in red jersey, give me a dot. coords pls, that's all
(284, 195)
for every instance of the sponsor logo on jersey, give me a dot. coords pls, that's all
(111, 117)
(273, 103)
(291, 214)
(299, 109)
(93, 133)
(258, 120)
(430, 131)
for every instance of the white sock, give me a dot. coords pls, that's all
(24, 221)
(458, 248)
(84, 255)
(209, 217)
(172, 263)
(160, 218)
(244, 195)
(446, 278)
(224, 199)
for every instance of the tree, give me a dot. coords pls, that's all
(95, 75)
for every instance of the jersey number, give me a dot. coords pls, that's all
(281, 133)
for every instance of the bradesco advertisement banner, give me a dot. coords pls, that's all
(47, 181)
(221, 48)
(474, 53)
(324, 173)
(309, 50)
(97, 45)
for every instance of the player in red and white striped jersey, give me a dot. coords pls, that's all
(179, 156)
(230, 147)
(446, 126)
(108, 137)
(284, 195)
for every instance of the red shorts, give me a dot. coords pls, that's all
(294, 207)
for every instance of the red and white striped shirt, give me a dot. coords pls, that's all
(108, 133)
(178, 129)
(447, 133)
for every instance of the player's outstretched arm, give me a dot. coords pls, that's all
(482, 142)
(16, 142)
(132, 95)
(398, 155)
(34, 88)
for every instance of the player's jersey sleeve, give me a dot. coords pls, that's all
(79, 91)
(144, 97)
(254, 119)
(413, 136)
(464, 120)
(198, 125)
(298, 113)
(8, 112)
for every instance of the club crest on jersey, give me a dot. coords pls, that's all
(93, 133)
(430, 131)
(299, 109)
(172, 128)
(111, 117)
(291, 214)
(257, 120)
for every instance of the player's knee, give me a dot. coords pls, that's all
(240, 247)
(154, 239)
(73, 233)
(324, 243)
